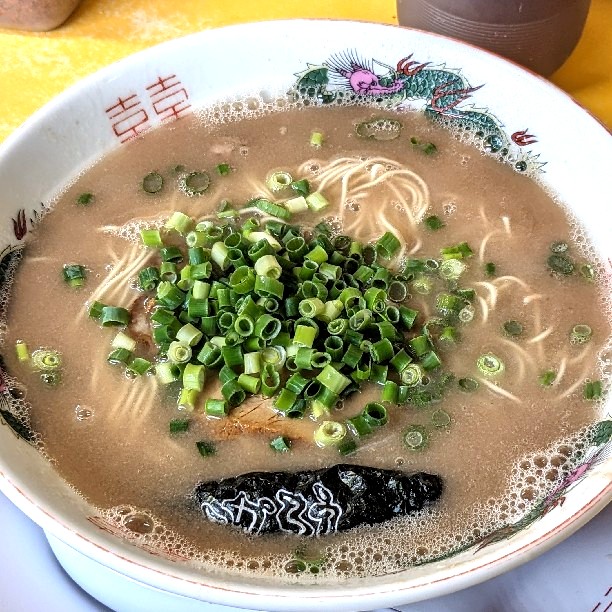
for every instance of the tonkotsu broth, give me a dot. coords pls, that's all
(108, 436)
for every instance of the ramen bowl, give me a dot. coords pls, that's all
(522, 119)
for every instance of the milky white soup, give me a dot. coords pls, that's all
(508, 442)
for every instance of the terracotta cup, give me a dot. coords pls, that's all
(539, 34)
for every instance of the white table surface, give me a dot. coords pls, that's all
(575, 576)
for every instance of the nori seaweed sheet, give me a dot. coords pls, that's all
(314, 503)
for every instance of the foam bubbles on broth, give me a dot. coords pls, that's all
(396, 546)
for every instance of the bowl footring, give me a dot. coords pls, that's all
(119, 592)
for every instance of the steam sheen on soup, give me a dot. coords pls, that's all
(499, 441)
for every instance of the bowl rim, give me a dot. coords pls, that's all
(377, 595)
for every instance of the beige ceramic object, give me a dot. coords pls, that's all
(35, 15)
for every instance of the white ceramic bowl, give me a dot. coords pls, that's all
(171, 80)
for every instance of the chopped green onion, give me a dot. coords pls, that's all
(274, 356)
(302, 187)
(233, 393)
(466, 314)
(448, 304)
(232, 356)
(21, 350)
(257, 237)
(180, 222)
(194, 183)
(187, 399)
(420, 345)
(440, 418)
(114, 315)
(85, 199)
(332, 379)
(168, 272)
(547, 378)
(593, 390)
(329, 433)
(359, 426)
(280, 444)
(95, 310)
(449, 336)
(430, 361)
(347, 446)
(490, 365)
(210, 355)
(513, 328)
(411, 375)
(179, 425)
(428, 148)
(559, 247)
(122, 340)
(451, 269)
(400, 360)
(561, 264)
(169, 295)
(270, 380)
(408, 316)
(148, 278)
(490, 268)
(171, 253)
(189, 334)
(316, 201)
(179, 352)
(311, 307)
(459, 251)
(381, 351)
(352, 356)
(388, 245)
(167, 372)
(206, 449)
(316, 139)
(194, 376)
(52, 378)
(285, 400)
(587, 271)
(74, 274)
(151, 238)
(161, 316)
(270, 208)
(152, 183)
(433, 223)
(375, 414)
(390, 392)
(277, 181)
(216, 408)
(415, 437)
(252, 363)
(139, 366)
(268, 266)
(46, 359)
(268, 287)
(580, 334)
(223, 169)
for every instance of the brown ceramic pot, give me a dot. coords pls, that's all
(540, 34)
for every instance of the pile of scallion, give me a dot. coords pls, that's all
(303, 317)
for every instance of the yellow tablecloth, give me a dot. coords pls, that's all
(34, 67)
